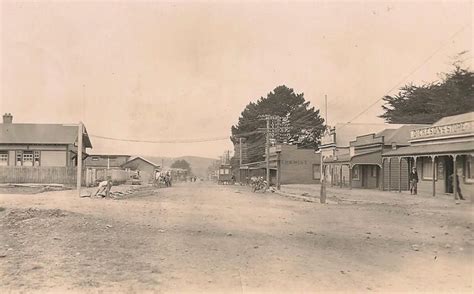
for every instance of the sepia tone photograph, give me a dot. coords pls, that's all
(197, 146)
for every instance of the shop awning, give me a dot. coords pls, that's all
(434, 149)
(338, 159)
(371, 158)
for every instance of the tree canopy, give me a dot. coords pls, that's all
(426, 104)
(181, 163)
(299, 123)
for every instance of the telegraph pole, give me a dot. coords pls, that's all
(79, 158)
(326, 108)
(267, 157)
(240, 151)
(240, 160)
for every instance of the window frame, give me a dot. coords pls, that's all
(467, 167)
(373, 171)
(36, 157)
(316, 167)
(26, 156)
(429, 175)
(4, 154)
(356, 175)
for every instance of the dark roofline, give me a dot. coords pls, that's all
(107, 155)
(146, 160)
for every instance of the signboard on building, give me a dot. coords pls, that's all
(442, 131)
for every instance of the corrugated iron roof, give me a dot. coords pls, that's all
(348, 132)
(40, 134)
(143, 159)
(401, 136)
(468, 116)
(446, 148)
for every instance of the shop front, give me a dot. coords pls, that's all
(441, 153)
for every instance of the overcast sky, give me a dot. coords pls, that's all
(161, 71)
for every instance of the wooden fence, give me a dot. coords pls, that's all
(39, 175)
(118, 176)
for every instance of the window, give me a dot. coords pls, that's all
(427, 170)
(316, 171)
(3, 159)
(224, 171)
(95, 158)
(355, 172)
(37, 156)
(27, 158)
(19, 158)
(373, 171)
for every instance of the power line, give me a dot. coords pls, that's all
(172, 141)
(161, 141)
(411, 72)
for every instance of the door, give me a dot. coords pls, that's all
(364, 175)
(449, 170)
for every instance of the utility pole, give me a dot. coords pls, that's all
(326, 109)
(240, 160)
(79, 158)
(240, 151)
(267, 157)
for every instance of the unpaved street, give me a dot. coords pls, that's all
(205, 237)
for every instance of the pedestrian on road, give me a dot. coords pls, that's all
(413, 181)
(458, 187)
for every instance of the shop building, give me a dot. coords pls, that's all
(366, 159)
(438, 151)
(335, 151)
(288, 165)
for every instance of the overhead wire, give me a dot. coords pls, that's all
(415, 69)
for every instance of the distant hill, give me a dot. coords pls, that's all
(199, 165)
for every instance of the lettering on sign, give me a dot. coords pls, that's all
(457, 128)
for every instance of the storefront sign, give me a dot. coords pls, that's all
(441, 131)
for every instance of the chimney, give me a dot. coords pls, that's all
(7, 118)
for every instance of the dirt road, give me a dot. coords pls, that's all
(209, 238)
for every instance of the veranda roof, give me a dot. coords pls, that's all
(434, 149)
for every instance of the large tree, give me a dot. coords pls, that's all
(181, 163)
(425, 104)
(299, 123)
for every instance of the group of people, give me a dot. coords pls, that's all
(414, 183)
(258, 183)
(162, 178)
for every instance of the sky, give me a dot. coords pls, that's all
(185, 70)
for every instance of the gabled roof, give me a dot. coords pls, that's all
(144, 159)
(345, 133)
(468, 116)
(109, 155)
(401, 136)
(13, 133)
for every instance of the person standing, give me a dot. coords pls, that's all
(458, 186)
(413, 181)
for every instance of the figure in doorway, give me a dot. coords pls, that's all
(458, 187)
(413, 181)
